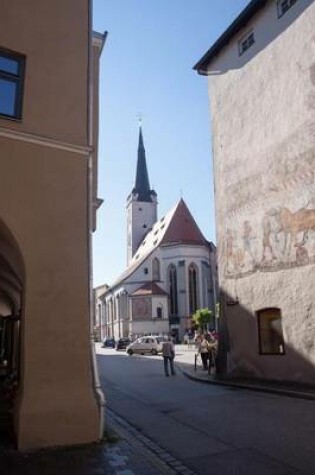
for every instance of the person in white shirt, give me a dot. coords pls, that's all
(168, 353)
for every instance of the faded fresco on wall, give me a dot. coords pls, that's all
(271, 217)
(267, 199)
(141, 308)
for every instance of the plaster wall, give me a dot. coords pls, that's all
(44, 203)
(140, 219)
(55, 91)
(263, 106)
(190, 255)
(56, 405)
(154, 326)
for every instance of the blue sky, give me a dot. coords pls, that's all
(146, 68)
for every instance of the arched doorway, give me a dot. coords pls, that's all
(11, 294)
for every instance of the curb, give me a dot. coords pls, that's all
(250, 387)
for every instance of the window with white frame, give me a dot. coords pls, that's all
(246, 42)
(283, 6)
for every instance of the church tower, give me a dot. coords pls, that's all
(141, 205)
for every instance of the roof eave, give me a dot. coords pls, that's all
(249, 11)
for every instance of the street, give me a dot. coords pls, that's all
(211, 429)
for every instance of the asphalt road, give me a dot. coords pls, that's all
(211, 429)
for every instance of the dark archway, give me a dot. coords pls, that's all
(12, 277)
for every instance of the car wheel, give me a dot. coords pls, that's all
(154, 352)
(130, 352)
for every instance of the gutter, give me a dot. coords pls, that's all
(99, 395)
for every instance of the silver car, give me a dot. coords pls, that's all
(146, 345)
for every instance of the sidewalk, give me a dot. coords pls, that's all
(124, 451)
(185, 362)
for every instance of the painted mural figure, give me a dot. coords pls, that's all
(248, 237)
(234, 256)
(293, 223)
(267, 245)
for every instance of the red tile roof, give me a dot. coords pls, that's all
(182, 228)
(149, 288)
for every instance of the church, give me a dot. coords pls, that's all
(171, 268)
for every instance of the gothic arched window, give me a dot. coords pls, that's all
(156, 269)
(193, 288)
(172, 276)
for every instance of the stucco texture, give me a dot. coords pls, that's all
(47, 215)
(264, 161)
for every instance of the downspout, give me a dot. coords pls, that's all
(99, 395)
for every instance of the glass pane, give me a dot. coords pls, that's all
(7, 97)
(9, 65)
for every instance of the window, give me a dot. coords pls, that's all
(246, 42)
(173, 290)
(270, 332)
(159, 312)
(11, 84)
(145, 270)
(284, 6)
(193, 288)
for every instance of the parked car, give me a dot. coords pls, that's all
(122, 343)
(146, 345)
(108, 343)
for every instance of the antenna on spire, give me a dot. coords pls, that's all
(180, 193)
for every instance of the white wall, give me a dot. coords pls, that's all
(263, 121)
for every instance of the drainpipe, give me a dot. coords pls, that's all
(99, 395)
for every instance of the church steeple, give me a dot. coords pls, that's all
(141, 204)
(142, 185)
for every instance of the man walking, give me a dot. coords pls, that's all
(168, 353)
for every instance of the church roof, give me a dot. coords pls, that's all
(175, 228)
(142, 185)
(182, 228)
(149, 288)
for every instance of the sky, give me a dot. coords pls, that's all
(146, 69)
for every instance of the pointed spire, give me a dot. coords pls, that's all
(142, 185)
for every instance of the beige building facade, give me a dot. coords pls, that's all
(48, 137)
(262, 96)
